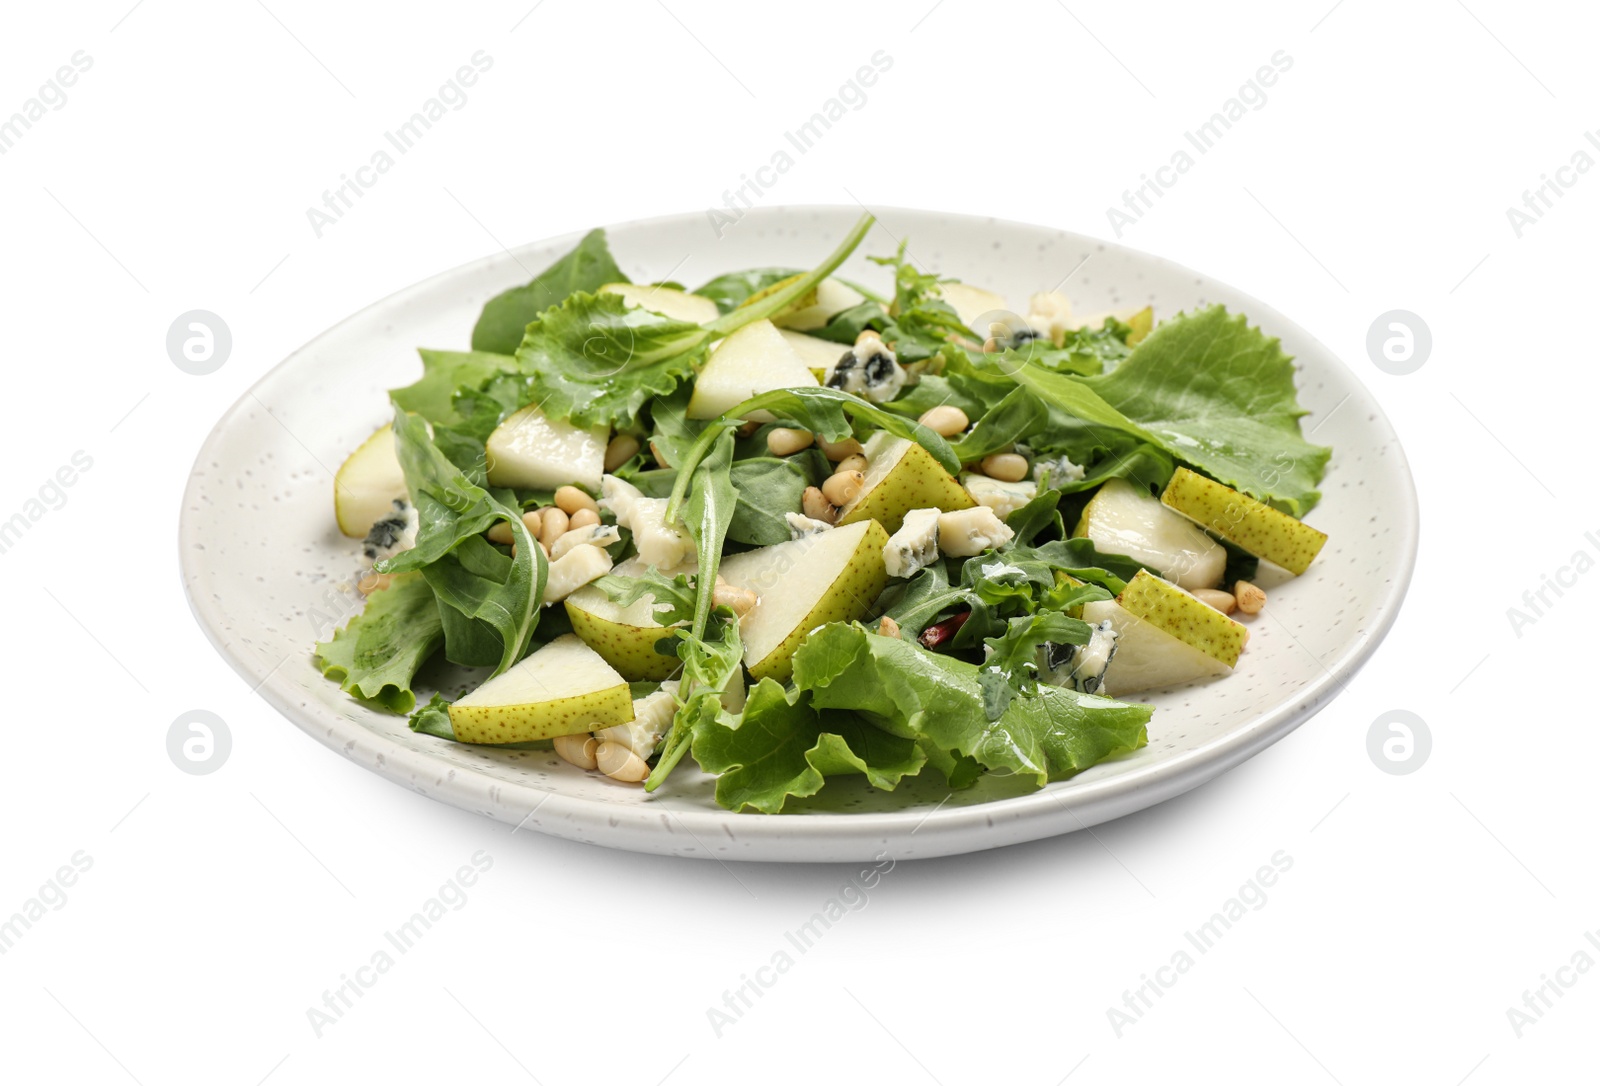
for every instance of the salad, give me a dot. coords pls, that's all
(796, 528)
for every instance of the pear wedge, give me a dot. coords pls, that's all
(532, 452)
(624, 636)
(901, 476)
(368, 484)
(1168, 607)
(563, 688)
(668, 301)
(832, 576)
(1252, 526)
(1147, 657)
(754, 359)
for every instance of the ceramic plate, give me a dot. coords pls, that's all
(268, 573)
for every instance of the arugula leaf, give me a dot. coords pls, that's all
(733, 288)
(710, 662)
(453, 513)
(766, 487)
(1008, 422)
(588, 267)
(1211, 391)
(378, 652)
(1011, 663)
(828, 412)
(782, 747)
(596, 360)
(673, 597)
(1047, 734)
(433, 395)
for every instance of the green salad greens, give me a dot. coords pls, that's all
(794, 527)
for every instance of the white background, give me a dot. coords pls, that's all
(218, 909)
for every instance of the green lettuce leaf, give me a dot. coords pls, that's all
(782, 747)
(730, 290)
(1047, 734)
(1211, 391)
(433, 395)
(466, 573)
(587, 268)
(596, 360)
(377, 653)
(767, 488)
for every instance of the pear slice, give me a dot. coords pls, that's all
(1253, 526)
(624, 636)
(1183, 616)
(368, 484)
(813, 311)
(901, 476)
(563, 688)
(532, 452)
(971, 302)
(1147, 657)
(819, 355)
(828, 577)
(668, 301)
(754, 359)
(1124, 519)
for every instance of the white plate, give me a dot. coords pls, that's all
(263, 562)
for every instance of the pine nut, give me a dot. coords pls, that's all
(655, 451)
(374, 582)
(818, 507)
(500, 532)
(782, 441)
(840, 450)
(619, 763)
(867, 335)
(852, 463)
(623, 447)
(738, 600)
(577, 749)
(1251, 599)
(583, 518)
(842, 487)
(1215, 597)
(552, 526)
(1007, 467)
(991, 345)
(569, 499)
(945, 420)
(748, 429)
(888, 627)
(530, 521)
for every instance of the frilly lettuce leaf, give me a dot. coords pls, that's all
(377, 653)
(588, 267)
(782, 747)
(1211, 391)
(1048, 734)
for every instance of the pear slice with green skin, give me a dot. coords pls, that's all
(564, 688)
(1125, 519)
(972, 302)
(530, 451)
(1250, 525)
(1147, 657)
(901, 476)
(368, 484)
(832, 576)
(753, 360)
(820, 305)
(819, 355)
(625, 637)
(1168, 607)
(680, 305)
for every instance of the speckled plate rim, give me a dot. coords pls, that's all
(823, 836)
